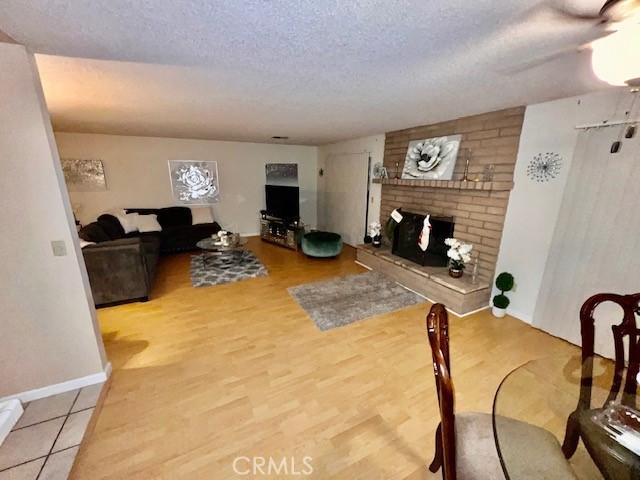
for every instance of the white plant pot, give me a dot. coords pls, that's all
(498, 312)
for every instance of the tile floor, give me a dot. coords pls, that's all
(45, 441)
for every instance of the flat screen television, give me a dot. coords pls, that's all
(283, 201)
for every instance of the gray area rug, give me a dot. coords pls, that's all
(207, 270)
(344, 300)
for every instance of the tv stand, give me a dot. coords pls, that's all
(285, 233)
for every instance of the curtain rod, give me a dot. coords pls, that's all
(606, 124)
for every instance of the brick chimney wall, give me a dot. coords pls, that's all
(490, 138)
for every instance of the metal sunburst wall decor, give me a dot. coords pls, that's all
(544, 167)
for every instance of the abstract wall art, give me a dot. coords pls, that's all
(194, 182)
(432, 158)
(83, 175)
(281, 173)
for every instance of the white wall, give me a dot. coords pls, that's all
(49, 331)
(373, 145)
(595, 243)
(137, 174)
(534, 207)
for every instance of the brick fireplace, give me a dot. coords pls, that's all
(478, 208)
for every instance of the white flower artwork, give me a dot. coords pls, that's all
(432, 158)
(194, 182)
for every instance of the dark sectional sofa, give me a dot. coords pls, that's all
(121, 266)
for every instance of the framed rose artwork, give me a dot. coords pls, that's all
(194, 182)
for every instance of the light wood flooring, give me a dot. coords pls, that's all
(201, 376)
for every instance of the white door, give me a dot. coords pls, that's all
(345, 196)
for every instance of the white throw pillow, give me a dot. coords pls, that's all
(148, 223)
(84, 243)
(201, 215)
(129, 221)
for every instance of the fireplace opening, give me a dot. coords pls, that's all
(407, 233)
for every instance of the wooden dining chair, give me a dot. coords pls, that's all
(465, 443)
(579, 424)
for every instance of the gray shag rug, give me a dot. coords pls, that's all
(344, 300)
(207, 271)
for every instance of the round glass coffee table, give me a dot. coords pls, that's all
(222, 255)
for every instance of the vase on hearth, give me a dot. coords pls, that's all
(455, 272)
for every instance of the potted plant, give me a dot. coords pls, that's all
(504, 283)
(375, 233)
(459, 255)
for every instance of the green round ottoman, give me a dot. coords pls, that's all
(322, 244)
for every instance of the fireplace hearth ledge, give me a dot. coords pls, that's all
(458, 294)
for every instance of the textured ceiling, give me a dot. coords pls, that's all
(314, 70)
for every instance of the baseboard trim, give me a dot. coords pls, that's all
(10, 413)
(37, 393)
(520, 316)
(472, 312)
(459, 315)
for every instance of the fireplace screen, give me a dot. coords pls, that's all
(407, 233)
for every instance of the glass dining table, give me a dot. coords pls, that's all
(545, 392)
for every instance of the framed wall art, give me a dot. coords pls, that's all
(432, 158)
(281, 173)
(83, 175)
(194, 182)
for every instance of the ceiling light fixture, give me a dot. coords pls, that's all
(616, 58)
(620, 10)
(278, 137)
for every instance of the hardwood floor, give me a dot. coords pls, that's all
(202, 376)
